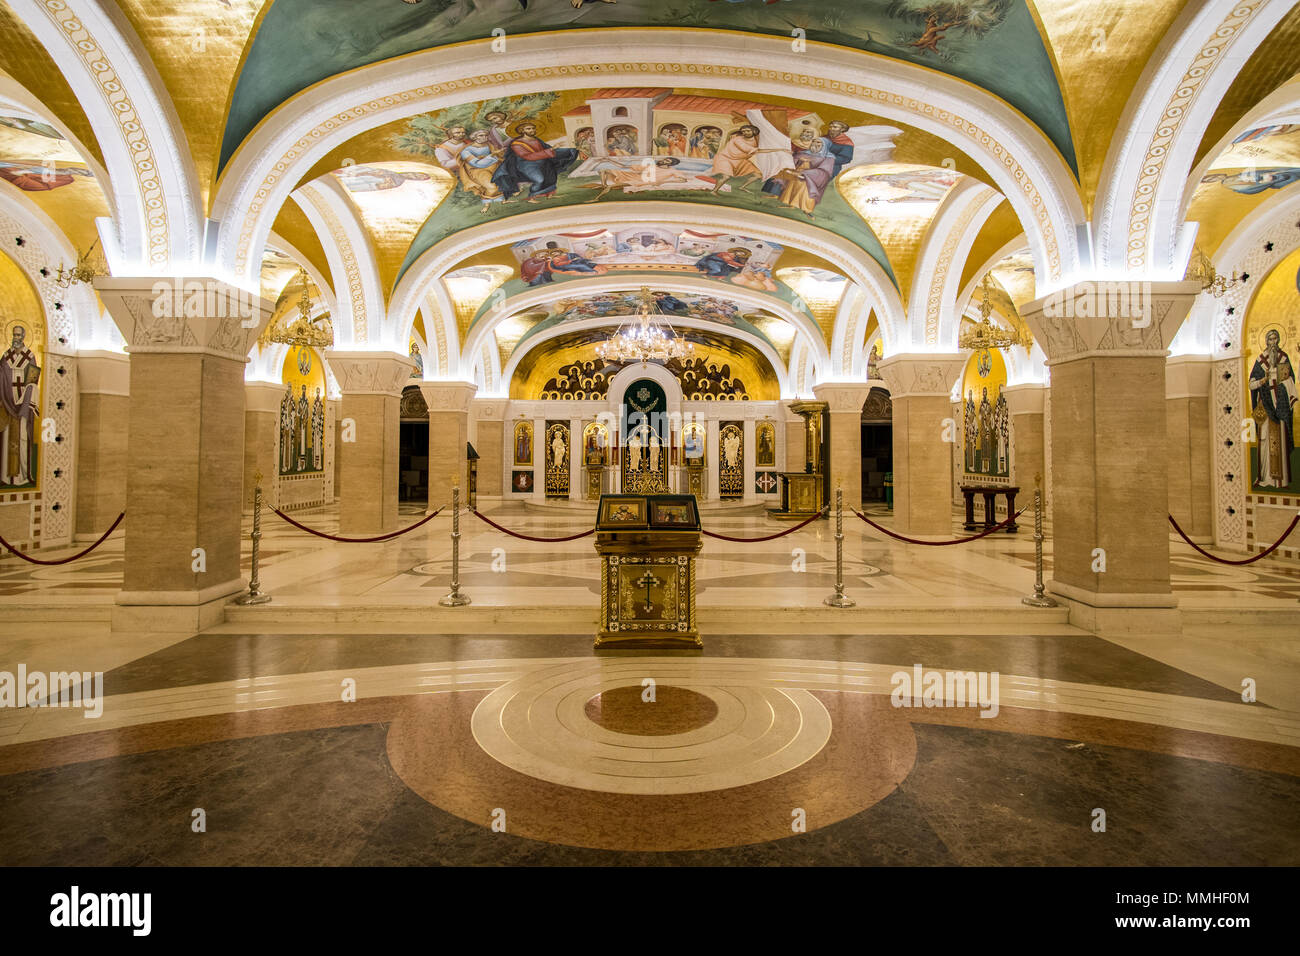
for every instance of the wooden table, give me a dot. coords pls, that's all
(990, 493)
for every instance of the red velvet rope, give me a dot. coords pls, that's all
(334, 537)
(974, 537)
(529, 537)
(769, 537)
(80, 554)
(1253, 558)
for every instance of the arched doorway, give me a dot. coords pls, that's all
(877, 445)
(413, 445)
(647, 443)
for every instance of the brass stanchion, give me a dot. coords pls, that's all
(1039, 598)
(454, 597)
(255, 595)
(838, 599)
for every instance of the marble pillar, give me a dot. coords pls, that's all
(1106, 345)
(261, 442)
(448, 433)
(492, 445)
(188, 340)
(1187, 412)
(1027, 404)
(845, 400)
(920, 387)
(368, 444)
(103, 411)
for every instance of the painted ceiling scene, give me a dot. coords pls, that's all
(823, 221)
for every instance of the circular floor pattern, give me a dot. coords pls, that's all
(870, 750)
(635, 711)
(537, 725)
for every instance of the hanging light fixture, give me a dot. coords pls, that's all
(302, 331)
(645, 337)
(1202, 270)
(985, 335)
(84, 271)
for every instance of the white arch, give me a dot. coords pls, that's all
(158, 222)
(933, 318)
(440, 325)
(841, 253)
(564, 328)
(1210, 328)
(323, 287)
(359, 309)
(1139, 225)
(1280, 106)
(16, 100)
(1017, 155)
(71, 314)
(532, 299)
(851, 320)
(1015, 247)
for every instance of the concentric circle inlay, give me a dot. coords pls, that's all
(636, 711)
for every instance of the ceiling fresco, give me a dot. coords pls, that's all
(518, 154)
(45, 166)
(1255, 165)
(994, 44)
(722, 368)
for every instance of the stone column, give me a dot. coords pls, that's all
(369, 448)
(103, 411)
(1187, 410)
(448, 432)
(1106, 345)
(845, 400)
(1026, 404)
(189, 340)
(920, 387)
(491, 444)
(261, 441)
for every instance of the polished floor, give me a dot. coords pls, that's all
(363, 742)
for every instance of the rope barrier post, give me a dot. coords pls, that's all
(454, 597)
(255, 595)
(838, 599)
(1039, 598)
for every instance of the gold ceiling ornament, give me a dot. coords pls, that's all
(645, 337)
(986, 335)
(301, 331)
(86, 269)
(1201, 269)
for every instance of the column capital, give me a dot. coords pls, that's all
(103, 373)
(193, 314)
(843, 396)
(1188, 376)
(450, 396)
(370, 373)
(1120, 318)
(262, 396)
(925, 373)
(1026, 399)
(490, 409)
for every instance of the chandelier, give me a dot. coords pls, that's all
(985, 335)
(1202, 270)
(303, 330)
(84, 271)
(645, 337)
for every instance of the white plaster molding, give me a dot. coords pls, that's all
(933, 319)
(159, 219)
(544, 296)
(1138, 216)
(358, 317)
(71, 314)
(1022, 162)
(564, 328)
(846, 256)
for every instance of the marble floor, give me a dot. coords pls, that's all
(353, 742)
